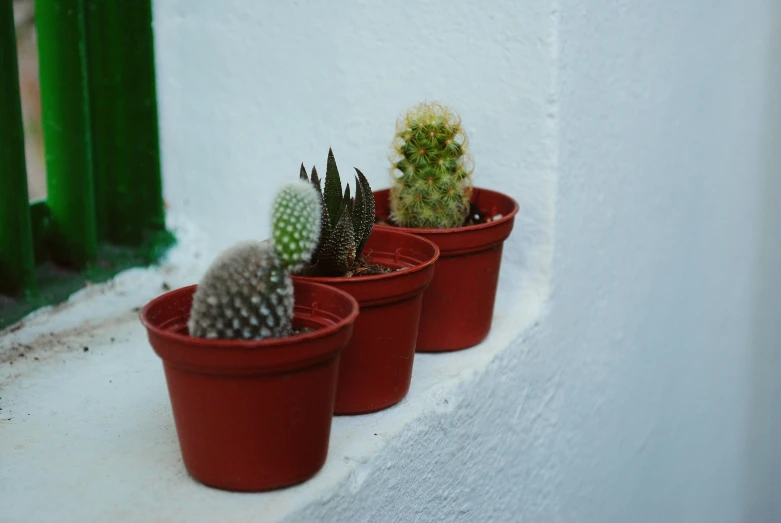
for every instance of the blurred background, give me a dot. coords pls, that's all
(24, 18)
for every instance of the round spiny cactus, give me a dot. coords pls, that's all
(247, 293)
(431, 169)
(296, 223)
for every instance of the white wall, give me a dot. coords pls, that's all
(764, 430)
(249, 90)
(648, 391)
(653, 336)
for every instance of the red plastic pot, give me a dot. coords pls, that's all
(253, 415)
(375, 369)
(459, 304)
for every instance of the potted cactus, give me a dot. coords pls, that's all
(251, 357)
(432, 196)
(386, 272)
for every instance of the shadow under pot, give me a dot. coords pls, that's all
(375, 368)
(253, 415)
(458, 306)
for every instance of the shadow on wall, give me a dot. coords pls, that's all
(764, 432)
(27, 48)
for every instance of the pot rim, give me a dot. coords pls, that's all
(455, 230)
(375, 277)
(267, 343)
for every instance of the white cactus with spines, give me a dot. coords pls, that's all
(247, 292)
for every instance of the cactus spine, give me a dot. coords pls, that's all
(431, 169)
(247, 292)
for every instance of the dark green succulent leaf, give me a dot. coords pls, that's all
(366, 205)
(325, 222)
(357, 214)
(302, 173)
(347, 200)
(346, 207)
(316, 181)
(332, 193)
(336, 255)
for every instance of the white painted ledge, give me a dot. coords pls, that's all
(89, 436)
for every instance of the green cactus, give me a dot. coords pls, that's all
(431, 169)
(247, 293)
(346, 224)
(296, 223)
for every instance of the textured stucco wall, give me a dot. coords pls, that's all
(645, 393)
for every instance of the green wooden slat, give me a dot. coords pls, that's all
(40, 219)
(16, 246)
(123, 101)
(66, 129)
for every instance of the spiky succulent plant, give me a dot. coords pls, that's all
(346, 223)
(431, 169)
(247, 292)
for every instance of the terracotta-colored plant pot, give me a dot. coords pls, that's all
(376, 366)
(253, 415)
(459, 304)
